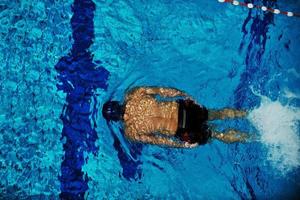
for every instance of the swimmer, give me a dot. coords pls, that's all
(179, 123)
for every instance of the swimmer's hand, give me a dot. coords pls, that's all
(189, 145)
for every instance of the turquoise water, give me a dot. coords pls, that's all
(220, 54)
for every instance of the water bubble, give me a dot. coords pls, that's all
(278, 127)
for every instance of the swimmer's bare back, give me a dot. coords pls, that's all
(150, 121)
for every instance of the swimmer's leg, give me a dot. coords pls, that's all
(230, 136)
(225, 113)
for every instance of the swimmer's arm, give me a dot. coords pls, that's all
(157, 140)
(164, 92)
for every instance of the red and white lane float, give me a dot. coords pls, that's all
(263, 8)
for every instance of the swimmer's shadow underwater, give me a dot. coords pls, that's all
(179, 122)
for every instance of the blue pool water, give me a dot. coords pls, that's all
(61, 60)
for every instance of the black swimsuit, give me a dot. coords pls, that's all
(192, 126)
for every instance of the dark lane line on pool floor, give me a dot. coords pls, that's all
(79, 77)
(256, 76)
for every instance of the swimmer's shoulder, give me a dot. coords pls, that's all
(130, 131)
(135, 91)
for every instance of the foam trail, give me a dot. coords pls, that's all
(278, 127)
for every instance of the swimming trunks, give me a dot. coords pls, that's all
(192, 126)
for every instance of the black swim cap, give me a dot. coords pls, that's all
(113, 111)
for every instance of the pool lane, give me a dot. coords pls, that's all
(256, 180)
(254, 74)
(78, 77)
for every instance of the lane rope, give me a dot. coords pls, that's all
(263, 8)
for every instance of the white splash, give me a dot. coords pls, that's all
(278, 129)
